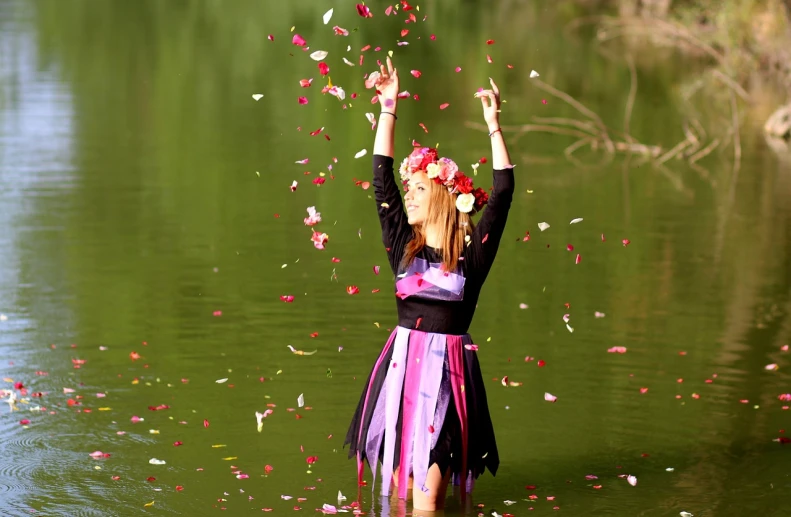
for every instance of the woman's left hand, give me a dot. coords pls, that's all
(491, 105)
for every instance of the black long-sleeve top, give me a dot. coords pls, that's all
(434, 309)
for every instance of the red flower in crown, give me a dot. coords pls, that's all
(463, 184)
(481, 198)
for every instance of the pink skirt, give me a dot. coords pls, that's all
(424, 403)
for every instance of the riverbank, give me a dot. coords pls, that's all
(743, 50)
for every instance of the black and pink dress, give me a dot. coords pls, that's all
(425, 401)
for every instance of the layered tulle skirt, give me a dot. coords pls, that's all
(424, 403)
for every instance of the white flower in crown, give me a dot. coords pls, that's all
(433, 170)
(404, 170)
(465, 202)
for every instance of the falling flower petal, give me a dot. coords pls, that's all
(416, 73)
(771, 367)
(363, 11)
(327, 16)
(220, 381)
(550, 397)
(298, 40)
(577, 220)
(598, 314)
(319, 55)
(155, 461)
(257, 96)
(362, 153)
(578, 259)
(305, 83)
(324, 69)
(543, 226)
(617, 350)
(443, 106)
(632, 480)
(533, 74)
(302, 100)
(301, 400)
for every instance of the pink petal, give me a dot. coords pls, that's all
(550, 397)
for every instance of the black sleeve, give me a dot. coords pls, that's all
(396, 231)
(479, 255)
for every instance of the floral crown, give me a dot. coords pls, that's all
(444, 171)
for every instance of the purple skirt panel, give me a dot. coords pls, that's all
(419, 380)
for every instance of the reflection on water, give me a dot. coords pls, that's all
(142, 260)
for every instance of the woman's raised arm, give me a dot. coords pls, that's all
(486, 238)
(396, 231)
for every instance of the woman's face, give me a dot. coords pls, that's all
(418, 198)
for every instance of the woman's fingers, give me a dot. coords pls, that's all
(495, 89)
(484, 100)
(389, 65)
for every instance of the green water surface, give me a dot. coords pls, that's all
(145, 207)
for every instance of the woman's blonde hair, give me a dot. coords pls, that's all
(454, 226)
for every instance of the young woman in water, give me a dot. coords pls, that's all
(423, 413)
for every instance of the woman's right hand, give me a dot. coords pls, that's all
(387, 87)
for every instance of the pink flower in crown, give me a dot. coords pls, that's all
(415, 159)
(448, 170)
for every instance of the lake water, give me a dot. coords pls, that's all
(149, 231)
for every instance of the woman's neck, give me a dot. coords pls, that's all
(433, 237)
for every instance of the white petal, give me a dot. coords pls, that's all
(371, 117)
(341, 497)
(348, 62)
(670, 469)
(301, 400)
(577, 220)
(155, 461)
(257, 96)
(327, 17)
(319, 55)
(571, 329)
(543, 226)
(533, 74)
(685, 514)
(220, 381)
(361, 153)
(632, 480)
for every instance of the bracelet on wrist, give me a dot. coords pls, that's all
(498, 130)
(388, 113)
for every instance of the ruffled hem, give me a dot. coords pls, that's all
(424, 403)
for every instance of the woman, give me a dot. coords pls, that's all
(423, 413)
